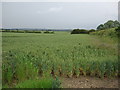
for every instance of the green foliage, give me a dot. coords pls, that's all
(118, 32)
(52, 32)
(106, 33)
(108, 24)
(27, 69)
(26, 31)
(17, 67)
(79, 31)
(47, 82)
(100, 27)
(118, 29)
(21, 31)
(92, 30)
(7, 74)
(61, 54)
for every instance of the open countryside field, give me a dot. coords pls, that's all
(80, 56)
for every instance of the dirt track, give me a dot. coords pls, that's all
(89, 82)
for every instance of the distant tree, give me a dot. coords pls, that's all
(116, 23)
(49, 31)
(37, 31)
(17, 30)
(100, 27)
(75, 31)
(79, 31)
(83, 31)
(92, 30)
(46, 31)
(52, 32)
(108, 24)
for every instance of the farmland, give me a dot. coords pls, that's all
(32, 55)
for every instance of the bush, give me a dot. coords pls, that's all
(51, 32)
(92, 30)
(37, 31)
(117, 29)
(79, 31)
(107, 32)
(33, 31)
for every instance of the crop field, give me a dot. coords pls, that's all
(31, 55)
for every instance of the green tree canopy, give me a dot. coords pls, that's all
(109, 24)
(79, 31)
(100, 27)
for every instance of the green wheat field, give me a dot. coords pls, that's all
(29, 56)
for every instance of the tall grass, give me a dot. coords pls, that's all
(45, 82)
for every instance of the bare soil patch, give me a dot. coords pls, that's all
(89, 82)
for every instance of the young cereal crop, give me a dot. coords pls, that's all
(28, 56)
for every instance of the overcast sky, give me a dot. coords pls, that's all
(57, 15)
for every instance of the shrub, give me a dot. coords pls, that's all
(108, 32)
(79, 31)
(118, 29)
(92, 30)
(37, 31)
(51, 32)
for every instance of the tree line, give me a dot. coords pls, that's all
(107, 25)
(27, 31)
(82, 31)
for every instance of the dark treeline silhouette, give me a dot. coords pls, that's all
(20, 31)
(82, 31)
(26, 31)
(49, 32)
(106, 26)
